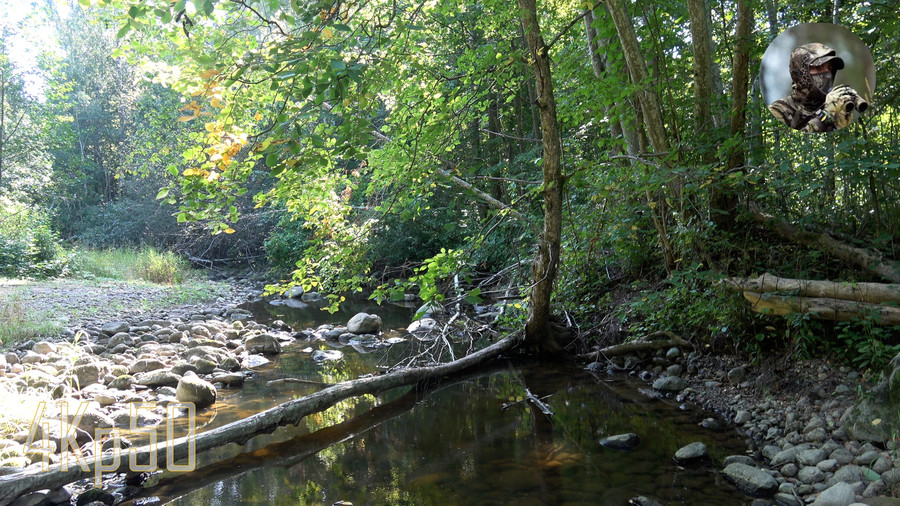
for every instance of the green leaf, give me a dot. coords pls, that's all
(271, 160)
(84, 3)
(163, 193)
(172, 170)
(123, 30)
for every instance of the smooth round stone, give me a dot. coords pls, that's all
(621, 442)
(810, 475)
(691, 453)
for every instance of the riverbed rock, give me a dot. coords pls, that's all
(263, 343)
(294, 292)
(113, 328)
(364, 323)
(86, 374)
(323, 355)
(839, 494)
(251, 361)
(44, 347)
(422, 326)
(691, 453)
(158, 379)
(232, 379)
(146, 365)
(122, 382)
(669, 384)
(621, 442)
(751, 480)
(191, 388)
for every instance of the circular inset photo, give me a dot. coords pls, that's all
(817, 77)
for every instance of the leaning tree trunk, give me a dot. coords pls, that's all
(652, 115)
(538, 332)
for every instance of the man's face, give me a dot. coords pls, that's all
(822, 76)
(820, 69)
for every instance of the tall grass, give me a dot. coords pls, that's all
(19, 323)
(146, 264)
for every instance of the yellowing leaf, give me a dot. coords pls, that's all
(216, 103)
(206, 74)
(212, 176)
(257, 116)
(186, 118)
(327, 33)
(190, 172)
(229, 230)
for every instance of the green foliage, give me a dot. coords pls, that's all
(870, 346)
(286, 243)
(28, 245)
(689, 304)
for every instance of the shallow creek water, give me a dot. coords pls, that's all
(464, 441)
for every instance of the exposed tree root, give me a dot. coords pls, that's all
(648, 343)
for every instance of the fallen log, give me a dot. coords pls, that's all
(241, 431)
(648, 343)
(860, 292)
(822, 308)
(870, 260)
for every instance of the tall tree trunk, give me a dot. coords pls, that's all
(2, 119)
(703, 79)
(651, 112)
(723, 199)
(538, 332)
(598, 64)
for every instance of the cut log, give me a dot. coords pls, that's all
(822, 308)
(860, 292)
(872, 261)
(241, 431)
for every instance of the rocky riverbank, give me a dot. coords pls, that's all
(808, 440)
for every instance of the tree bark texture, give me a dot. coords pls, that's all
(538, 334)
(861, 292)
(822, 308)
(703, 79)
(871, 261)
(241, 431)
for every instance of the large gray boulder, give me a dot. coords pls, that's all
(191, 388)
(263, 343)
(839, 494)
(751, 480)
(364, 323)
(113, 328)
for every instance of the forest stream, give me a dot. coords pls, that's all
(471, 440)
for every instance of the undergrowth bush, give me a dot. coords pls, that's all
(28, 245)
(147, 264)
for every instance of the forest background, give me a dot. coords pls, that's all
(391, 146)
